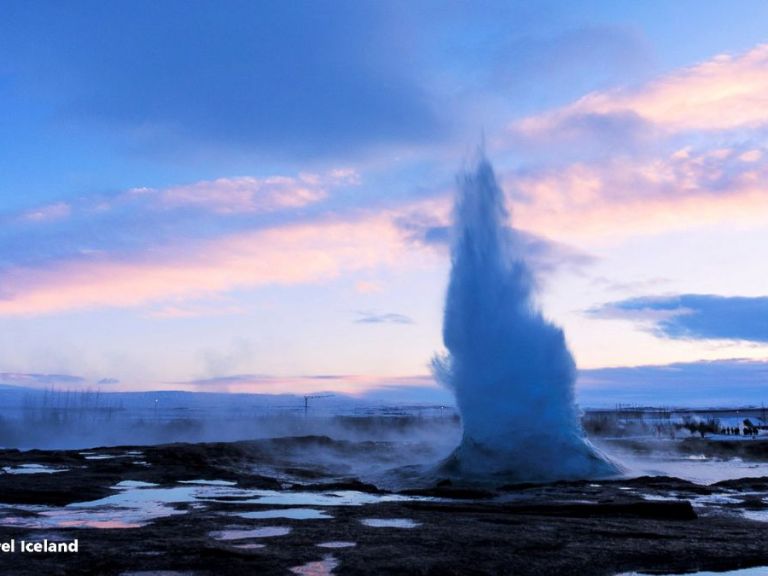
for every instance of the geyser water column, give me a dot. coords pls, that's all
(509, 367)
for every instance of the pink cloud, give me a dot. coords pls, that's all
(242, 194)
(625, 196)
(289, 255)
(721, 93)
(646, 191)
(248, 194)
(55, 211)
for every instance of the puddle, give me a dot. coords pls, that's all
(135, 504)
(249, 546)
(335, 498)
(659, 498)
(336, 544)
(290, 513)
(695, 469)
(756, 515)
(390, 523)
(135, 484)
(72, 519)
(717, 499)
(73, 516)
(132, 507)
(32, 469)
(158, 573)
(133, 497)
(722, 505)
(97, 456)
(732, 504)
(105, 456)
(757, 571)
(221, 491)
(264, 532)
(322, 567)
(208, 482)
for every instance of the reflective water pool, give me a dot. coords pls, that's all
(322, 567)
(290, 513)
(245, 533)
(32, 469)
(136, 503)
(336, 544)
(390, 523)
(756, 571)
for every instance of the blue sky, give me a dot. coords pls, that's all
(252, 195)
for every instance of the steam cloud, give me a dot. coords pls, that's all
(509, 367)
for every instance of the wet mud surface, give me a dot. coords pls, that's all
(291, 505)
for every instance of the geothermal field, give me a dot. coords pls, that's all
(369, 496)
(383, 287)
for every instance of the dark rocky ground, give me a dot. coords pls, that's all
(580, 528)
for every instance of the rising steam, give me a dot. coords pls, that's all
(509, 367)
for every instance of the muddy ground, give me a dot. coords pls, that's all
(649, 524)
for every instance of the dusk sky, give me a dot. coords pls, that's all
(254, 196)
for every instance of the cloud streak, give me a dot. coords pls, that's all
(626, 195)
(682, 150)
(722, 93)
(39, 380)
(253, 195)
(695, 316)
(382, 318)
(286, 255)
(142, 218)
(169, 247)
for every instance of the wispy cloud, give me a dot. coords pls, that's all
(247, 194)
(47, 212)
(284, 255)
(184, 242)
(725, 92)
(141, 218)
(232, 196)
(694, 316)
(382, 318)
(682, 150)
(24, 379)
(627, 195)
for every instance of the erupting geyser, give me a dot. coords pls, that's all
(509, 367)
